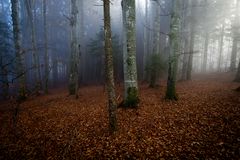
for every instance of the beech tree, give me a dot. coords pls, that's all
(129, 54)
(74, 57)
(20, 69)
(112, 104)
(174, 49)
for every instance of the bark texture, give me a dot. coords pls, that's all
(112, 104)
(20, 69)
(129, 54)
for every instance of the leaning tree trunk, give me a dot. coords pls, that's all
(74, 58)
(112, 104)
(20, 70)
(129, 57)
(174, 49)
(237, 78)
(46, 56)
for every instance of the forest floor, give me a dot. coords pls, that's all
(203, 124)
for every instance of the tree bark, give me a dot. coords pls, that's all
(205, 54)
(74, 58)
(112, 105)
(235, 34)
(129, 56)
(36, 64)
(174, 48)
(46, 55)
(20, 69)
(221, 43)
(237, 78)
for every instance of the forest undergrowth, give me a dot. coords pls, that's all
(203, 124)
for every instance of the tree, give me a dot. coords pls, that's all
(5, 58)
(18, 51)
(156, 41)
(235, 34)
(192, 39)
(221, 43)
(237, 78)
(112, 104)
(46, 56)
(174, 49)
(36, 64)
(74, 57)
(129, 54)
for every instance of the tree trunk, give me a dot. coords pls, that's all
(237, 78)
(46, 56)
(185, 35)
(129, 57)
(235, 33)
(156, 41)
(205, 54)
(112, 105)
(20, 69)
(36, 65)
(174, 49)
(74, 58)
(221, 43)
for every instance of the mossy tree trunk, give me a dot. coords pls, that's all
(74, 57)
(174, 49)
(129, 54)
(112, 104)
(20, 69)
(46, 55)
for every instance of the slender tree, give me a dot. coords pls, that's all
(192, 39)
(20, 69)
(129, 54)
(46, 56)
(112, 105)
(235, 34)
(36, 64)
(221, 43)
(237, 78)
(74, 57)
(174, 49)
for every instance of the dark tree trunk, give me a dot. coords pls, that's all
(20, 69)
(112, 105)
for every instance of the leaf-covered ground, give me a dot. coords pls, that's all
(203, 124)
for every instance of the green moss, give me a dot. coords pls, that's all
(132, 99)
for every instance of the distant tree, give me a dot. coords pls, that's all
(112, 104)
(156, 37)
(192, 40)
(237, 78)
(5, 58)
(20, 69)
(235, 35)
(174, 49)
(74, 57)
(154, 66)
(36, 64)
(129, 54)
(46, 54)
